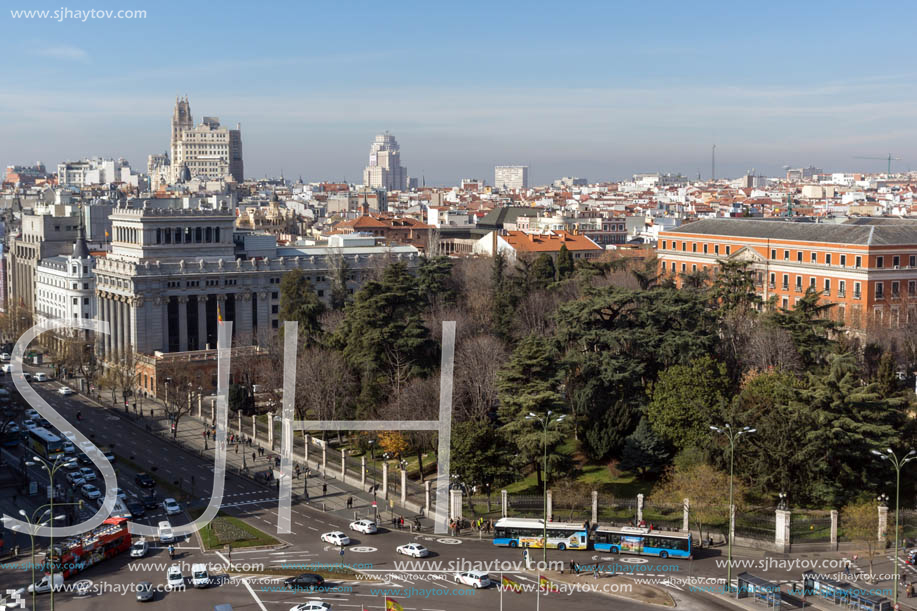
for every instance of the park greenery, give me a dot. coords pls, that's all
(640, 367)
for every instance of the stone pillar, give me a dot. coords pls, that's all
(639, 507)
(254, 428)
(883, 522)
(504, 502)
(183, 324)
(782, 534)
(686, 515)
(324, 458)
(243, 322)
(343, 464)
(240, 423)
(213, 412)
(202, 322)
(126, 324)
(106, 316)
(550, 505)
(455, 504)
(362, 472)
(164, 312)
(426, 497)
(834, 529)
(270, 430)
(200, 405)
(595, 507)
(404, 486)
(133, 331)
(264, 316)
(305, 453)
(116, 329)
(385, 480)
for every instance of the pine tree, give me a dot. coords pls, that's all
(643, 451)
(734, 286)
(886, 379)
(542, 272)
(565, 265)
(300, 303)
(808, 323)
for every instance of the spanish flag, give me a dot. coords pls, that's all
(219, 314)
(392, 605)
(511, 585)
(546, 585)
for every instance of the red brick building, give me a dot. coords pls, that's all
(868, 267)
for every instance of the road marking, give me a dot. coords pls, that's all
(252, 592)
(363, 549)
(448, 541)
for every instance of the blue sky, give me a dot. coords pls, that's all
(594, 89)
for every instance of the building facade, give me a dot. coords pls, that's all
(173, 273)
(385, 170)
(511, 177)
(41, 236)
(206, 150)
(869, 271)
(65, 285)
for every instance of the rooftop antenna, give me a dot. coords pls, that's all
(713, 164)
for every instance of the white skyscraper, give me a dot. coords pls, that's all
(511, 177)
(385, 170)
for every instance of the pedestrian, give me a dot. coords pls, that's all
(401, 522)
(595, 571)
(349, 502)
(324, 489)
(847, 568)
(909, 591)
(253, 457)
(237, 449)
(572, 567)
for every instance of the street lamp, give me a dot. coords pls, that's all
(34, 524)
(732, 434)
(51, 469)
(897, 463)
(545, 423)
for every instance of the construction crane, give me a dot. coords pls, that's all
(889, 159)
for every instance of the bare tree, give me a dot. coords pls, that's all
(124, 373)
(182, 381)
(770, 347)
(417, 399)
(324, 386)
(477, 362)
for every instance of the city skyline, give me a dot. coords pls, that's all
(602, 101)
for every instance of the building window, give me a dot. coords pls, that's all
(841, 288)
(274, 295)
(694, 268)
(896, 261)
(728, 250)
(911, 288)
(880, 290)
(880, 261)
(843, 260)
(812, 282)
(274, 308)
(683, 268)
(705, 249)
(684, 246)
(785, 303)
(274, 324)
(321, 293)
(912, 261)
(786, 255)
(828, 259)
(198, 235)
(858, 262)
(673, 267)
(786, 281)
(799, 256)
(773, 253)
(208, 235)
(814, 257)
(716, 249)
(896, 287)
(694, 247)
(798, 284)
(664, 244)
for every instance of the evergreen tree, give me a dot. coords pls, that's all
(565, 266)
(340, 295)
(480, 457)
(886, 378)
(300, 303)
(542, 272)
(504, 299)
(529, 384)
(811, 329)
(643, 451)
(434, 278)
(734, 287)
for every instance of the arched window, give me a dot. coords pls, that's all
(198, 235)
(208, 235)
(178, 235)
(158, 236)
(188, 235)
(168, 236)
(216, 235)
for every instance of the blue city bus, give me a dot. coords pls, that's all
(634, 540)
(527, 532)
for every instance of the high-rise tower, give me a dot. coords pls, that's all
(385, 170)
(181, 120)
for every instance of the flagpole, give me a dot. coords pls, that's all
(502, 585)
(538, 595)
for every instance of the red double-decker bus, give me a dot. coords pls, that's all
(76, 554)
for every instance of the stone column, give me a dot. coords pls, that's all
(202, 322)
(107, 317)
(183, 323)
(362, 472)
(385, 480)
(343, 464)
(883, 522)
(550, 505)
(200, 405)
(404, 486)
(240, 423)
(126, 322)
(305, 453)
(254, 428)
(164, 301)
(133, 331)
(243, 321)
(781, 537)
(116, 330)
(270, 430)
(504, 502)
(324, 458)
(834, 529)
(455, 504)
(264, 316)
(595, 507)
(686, 515)
(639, 507)
(426, 497)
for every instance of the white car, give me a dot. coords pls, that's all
(7, 368)
(69, 448)
(475, 579)
(90, 492)
(31, 414)
(71, 465)
(336, 538)
(65, 390)
(413, 549)
(5, 356)
(312, 605)
(88, 474)
(171, 507)
(367, 527)
(139, 548)
(40, 377)
(75, 479)
(165, 532)
(174, 579)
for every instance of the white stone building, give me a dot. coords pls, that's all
(207, 150)
(65, 285)
(511, 177)
(385, 170)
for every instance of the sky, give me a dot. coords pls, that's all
(593, 89)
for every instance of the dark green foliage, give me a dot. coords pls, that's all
(529, 383)
(480, 457)
(809, 326)
(300, 303)
(434, 279)
(734, 287)
(565, 266)
(542, 271)
(643, 451)
(687, 399)
(383, 336)
(616, 342)
(886, 378)
(240, 399)
(503, 300)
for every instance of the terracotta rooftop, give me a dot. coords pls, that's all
(536, 242)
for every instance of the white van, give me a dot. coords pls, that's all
(165, 532)
(44, 585)
(199, 576)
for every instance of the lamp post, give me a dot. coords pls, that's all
(732, 434)
(545, 423)
(897, 463)
(51, 468)
(34, 524)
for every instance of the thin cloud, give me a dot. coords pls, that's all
(64, 52)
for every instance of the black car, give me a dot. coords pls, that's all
(150, 500)
(306, 581)
(144, 480)
(84, 460)
(137, 509)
